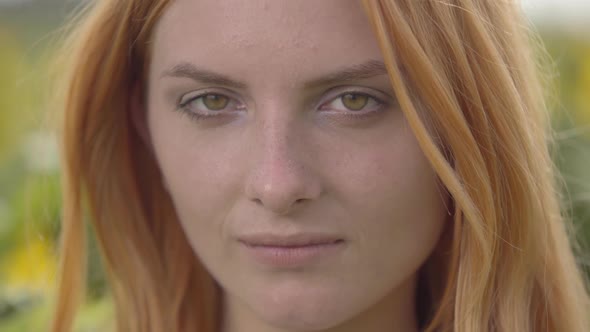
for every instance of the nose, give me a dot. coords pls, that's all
(281, 177)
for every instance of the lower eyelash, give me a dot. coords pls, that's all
(192, 115)
(358, 115)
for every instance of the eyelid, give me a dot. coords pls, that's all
(190, 96)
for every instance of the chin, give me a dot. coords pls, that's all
(302, 310)
(300, 320)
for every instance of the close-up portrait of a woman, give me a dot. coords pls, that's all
(325, 166)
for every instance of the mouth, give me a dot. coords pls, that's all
(289, 241)
(299, 250)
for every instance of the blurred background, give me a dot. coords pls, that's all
(29, 165)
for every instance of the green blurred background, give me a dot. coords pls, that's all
(29, 165)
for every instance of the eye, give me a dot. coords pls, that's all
(207, 102)
(208, 105)
(353, 101)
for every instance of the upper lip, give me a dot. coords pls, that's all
(288, 240)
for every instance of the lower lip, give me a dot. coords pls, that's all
(291, 256)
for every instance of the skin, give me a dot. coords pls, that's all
(287, 155)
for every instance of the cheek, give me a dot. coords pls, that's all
(397, 206)
(201, 183)
(197, 173)
(391, 180)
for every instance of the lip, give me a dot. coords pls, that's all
(288, 240)
(290, 251)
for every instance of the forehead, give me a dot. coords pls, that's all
(295, 37)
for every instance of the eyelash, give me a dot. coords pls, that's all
(198, 117)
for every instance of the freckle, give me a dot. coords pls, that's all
(314, 47)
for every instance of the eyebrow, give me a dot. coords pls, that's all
(364, 70)
(188, 70)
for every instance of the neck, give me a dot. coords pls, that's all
(393, 313)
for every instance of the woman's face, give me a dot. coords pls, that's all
(293, 171)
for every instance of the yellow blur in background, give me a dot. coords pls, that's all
(29, 165)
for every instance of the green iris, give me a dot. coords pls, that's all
(215, 102)
(355, 102)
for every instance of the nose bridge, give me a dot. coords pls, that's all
(280, 177)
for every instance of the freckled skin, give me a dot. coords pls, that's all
(283, 164)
